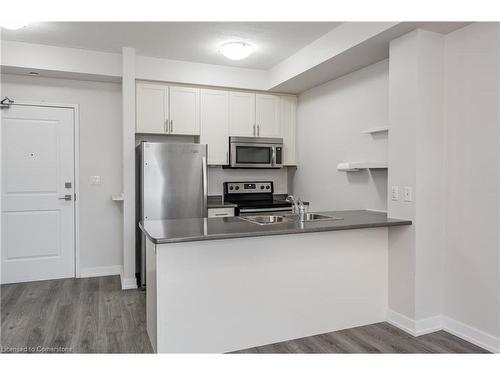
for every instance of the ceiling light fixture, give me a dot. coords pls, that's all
(236, 50)
(13, 25)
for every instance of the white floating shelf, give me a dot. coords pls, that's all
(117, 198)
(378, 129)
(360, 165)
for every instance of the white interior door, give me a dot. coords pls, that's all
(38, 239)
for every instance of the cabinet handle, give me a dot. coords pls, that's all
(258, 130)
(227, 157)
(166, 126)
(171, 126)
(224, 214)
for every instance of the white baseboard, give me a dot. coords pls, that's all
(471, 334)
(414, 327)
(436, 323)
(100, 271)
(401, 321)
(428, 325)
(128, 282)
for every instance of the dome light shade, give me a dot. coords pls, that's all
(13, 25)
(236, 50)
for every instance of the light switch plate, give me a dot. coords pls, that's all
(408, 194)
(395, 193)
(95, 180)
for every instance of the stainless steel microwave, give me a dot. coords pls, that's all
(255, 152)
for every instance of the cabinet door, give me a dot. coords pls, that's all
(241, 114)
(268, 115)
(151, 108)
(184, 110)
(288, 117)
(215, 125)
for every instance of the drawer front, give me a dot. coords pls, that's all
(220, 212)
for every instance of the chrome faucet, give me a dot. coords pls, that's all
(298, 206)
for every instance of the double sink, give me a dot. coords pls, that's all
(287, 218)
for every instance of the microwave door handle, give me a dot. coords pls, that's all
(274, 156)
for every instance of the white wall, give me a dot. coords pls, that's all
(472, 259)
(100, 154)
(65, 61)
(444, 139)
(155, 69)
(330, 122)
(416, 161)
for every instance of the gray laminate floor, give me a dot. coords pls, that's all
(373, 338)
(95, 316)
(91, 315)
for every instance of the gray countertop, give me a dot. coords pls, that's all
(186, 230)
(215, 201)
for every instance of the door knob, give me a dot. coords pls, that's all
(67, 197)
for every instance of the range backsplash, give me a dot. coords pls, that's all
(218, 175)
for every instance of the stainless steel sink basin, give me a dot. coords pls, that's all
(270, 219)
(315, 217)
(289, 218)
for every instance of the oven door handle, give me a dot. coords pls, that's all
(268, 209)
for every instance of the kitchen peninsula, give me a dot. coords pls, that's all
(222, 284)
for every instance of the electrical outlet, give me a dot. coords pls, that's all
(408, 194)
(95, 180)
(395, 193)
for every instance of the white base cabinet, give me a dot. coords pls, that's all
(225, 295)
(221, 212)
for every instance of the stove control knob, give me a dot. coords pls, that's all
(237, 188)
(231, 188)
(268, 187)
(262, 186)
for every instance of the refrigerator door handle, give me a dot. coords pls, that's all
(205, 186)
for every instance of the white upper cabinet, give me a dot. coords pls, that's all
(184, 110)
(215, 115)
(288, 118)
(163, 109)
(267, 109)
(151, 108)
(215, 125)
(242, 114)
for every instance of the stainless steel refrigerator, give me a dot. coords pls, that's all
(172, 184)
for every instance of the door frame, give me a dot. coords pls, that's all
(76, 171)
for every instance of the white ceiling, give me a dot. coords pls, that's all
(189, 41)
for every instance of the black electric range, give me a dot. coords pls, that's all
(254, 197)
